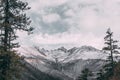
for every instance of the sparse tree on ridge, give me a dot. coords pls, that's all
(111, 48)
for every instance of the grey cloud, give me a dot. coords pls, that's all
(53, 28)
(59, 10)
(102, 13)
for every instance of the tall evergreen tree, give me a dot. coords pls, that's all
(12, 19)
(111, 48)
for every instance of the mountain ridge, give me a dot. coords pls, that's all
(68, 62)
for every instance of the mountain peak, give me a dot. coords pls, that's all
(88, 48)
(62, 49)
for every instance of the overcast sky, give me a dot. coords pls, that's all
(72, 23)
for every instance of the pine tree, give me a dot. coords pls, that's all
(111, 48)
(100, 75)
(12, 19)
(12, 71)
(85, 74)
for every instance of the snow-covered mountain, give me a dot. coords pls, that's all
(64, 55)
(67, 62)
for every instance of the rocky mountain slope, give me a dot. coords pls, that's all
(32, 73)
(67, 64)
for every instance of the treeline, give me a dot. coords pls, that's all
(111, 69)
(12, 19)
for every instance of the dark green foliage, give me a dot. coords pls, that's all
(85, 74)
(116, 75)
(10, 65)
(111, 48)
(12, 19)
